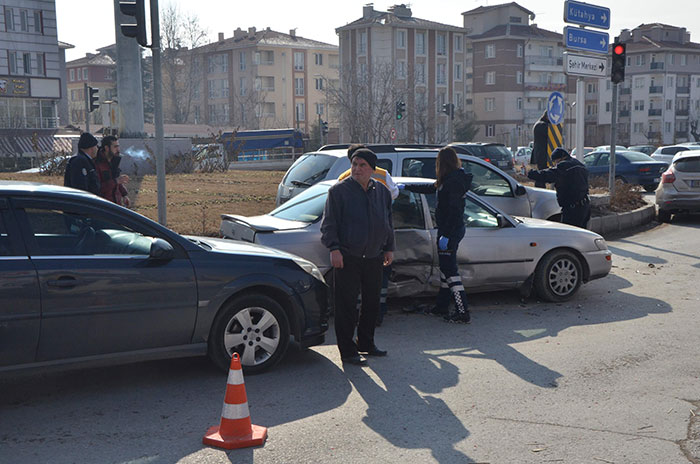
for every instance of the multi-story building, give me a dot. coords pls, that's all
(30, 73)
(261, 80)
(513, 66)
(389, 57)
(97, 71)
(660, 96)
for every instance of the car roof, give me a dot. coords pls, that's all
(20, 186)
(686, 154)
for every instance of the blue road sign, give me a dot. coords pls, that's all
(555, 108)
(586, 14)
(586, 40)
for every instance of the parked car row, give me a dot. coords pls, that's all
(630, 167)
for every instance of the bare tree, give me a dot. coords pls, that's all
(180, 32)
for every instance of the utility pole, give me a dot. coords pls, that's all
(158, 112)
(613, 140)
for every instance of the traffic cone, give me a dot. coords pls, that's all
(235, 430)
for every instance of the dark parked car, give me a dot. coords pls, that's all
(494, 153)
(630, 167)
(646, 149)
(85, 280)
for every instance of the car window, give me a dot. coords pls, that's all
(65, 233)
(589, 160)
(310, 168)
(407, 211)
(418, 167)
(687, 164)
(487, 182)
(305, 207)
(604, 160)
(5, 247)
(476, 216)
(385, 164)
(633, 156)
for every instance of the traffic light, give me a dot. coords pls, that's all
(619, 60)
(324, 127)
(93, 98)
(400, 108)
(136, 9)
(448, 109)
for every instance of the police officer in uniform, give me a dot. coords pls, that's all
(570, 178)
(80, 171)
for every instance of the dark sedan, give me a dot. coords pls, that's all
(85, 281)
(631, 167)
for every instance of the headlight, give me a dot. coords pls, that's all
(600, 244)
(311, 268)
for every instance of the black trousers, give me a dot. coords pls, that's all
(577, 215)
(358, 275)
(451, 287)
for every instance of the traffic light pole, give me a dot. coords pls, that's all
(158, 113)
(87, 107)
(613, 140)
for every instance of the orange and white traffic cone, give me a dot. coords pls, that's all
(235, 430)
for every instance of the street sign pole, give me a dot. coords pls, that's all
(580, 123)
(87, 107)
(613, 140)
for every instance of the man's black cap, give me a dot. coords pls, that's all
(87, 140)
(559, 153)
(367, 155)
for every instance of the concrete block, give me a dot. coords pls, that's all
(599, 199)
(626, 220)
(610, 223)
(594, 224)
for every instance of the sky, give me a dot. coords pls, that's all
(90, 25)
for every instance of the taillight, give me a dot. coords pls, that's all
(644, 170)
(668, 177)
(488, 160)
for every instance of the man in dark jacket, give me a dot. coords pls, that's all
(539, 155)
(570, 178)
(80, 171)
(357, 228)
(112, 181)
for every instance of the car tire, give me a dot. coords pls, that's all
(663, 216)
(558, 275)
(650, 187)
(256, 327)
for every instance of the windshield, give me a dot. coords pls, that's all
(490, 151)
(688, 164)
(305, 207)
(633, 156)
(310, 169)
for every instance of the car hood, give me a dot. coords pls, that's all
(551, 226)
(264, 223)
(222, 245)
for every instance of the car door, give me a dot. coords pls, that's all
(591, 162)
(20, 304)
(414, 255)
(101, 293)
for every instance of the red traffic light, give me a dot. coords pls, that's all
(619, 49)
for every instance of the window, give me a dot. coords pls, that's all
(300, 111)
(490, 78)
(490, 51)
(420, 73)
(318, 59)
(546, 51)
(476, 215)
(519, 77)
(638, 127)
(197, 115)
(23, 20)
(672, 58)
(490, 130)
(519, 51)
(607, 107)
(211, 87)
(242, 87)
(319, 83)
(196, 90)
(41, 65)
(667, 127)
(401, 69)
(458, 42)
(441, 44)
(458, 71)
(638, 82)
(362, 43)
(241, 61)
(72, 75)
(420, 43)
(669, 81)
(684, 60)
(639, 105)
(27, 62)
(669, 104)
(298, 61)
(9, 19)
(224, 89)
(12, 62)
(519, 103)
(320, 107)
(299, 86)
(401, 38)
(38, 22)
(441, 73)
(85, 74)
(407, 211)
(490, 103)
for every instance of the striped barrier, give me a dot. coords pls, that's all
(235, 429)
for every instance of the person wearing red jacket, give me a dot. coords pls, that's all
(112, 181)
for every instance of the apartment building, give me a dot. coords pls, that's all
(513, 66)
(660, 96)
(391, 56)
(97, 71)
(30, 73)
(262, 79)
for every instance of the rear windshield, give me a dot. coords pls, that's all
(688, 164)
(633, 156)
(672, 150)
(310, 169)
(305, 207)
(490, 151)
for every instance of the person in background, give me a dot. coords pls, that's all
(539, 155)
(357, 229)
(383, 177)
(80, 170)
(112, 181)
(452, 185)
(570, 178)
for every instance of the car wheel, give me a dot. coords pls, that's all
(255, 327)
(650, 187)
(664, 216)
(558, 276)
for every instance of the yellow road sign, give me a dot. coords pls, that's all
(554, 140)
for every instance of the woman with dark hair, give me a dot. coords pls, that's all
(451, 186)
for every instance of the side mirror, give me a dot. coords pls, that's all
(520, 190)
(161, 250)
(502, 221)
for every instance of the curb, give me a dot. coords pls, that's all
(618, 222)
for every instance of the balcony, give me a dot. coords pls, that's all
(624, 113)
(654, 112)
(28, 123)
(682, 90)
(656, 65)
(625, 91)
(543, 63)
(683, 112)
(656, 89)
(544, 87)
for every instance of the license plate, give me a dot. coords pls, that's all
(502, 163)
(656, 180)
(695, 183)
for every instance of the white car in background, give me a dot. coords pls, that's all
(679, 189)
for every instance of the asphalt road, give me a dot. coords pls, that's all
(610, 377)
